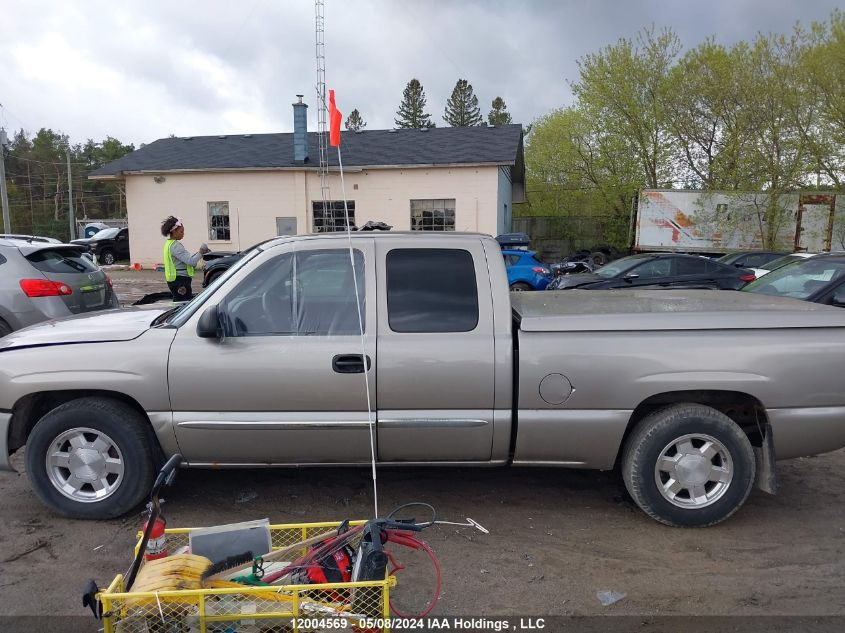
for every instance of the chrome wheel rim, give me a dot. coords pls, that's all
(693, 471)
(85, 465)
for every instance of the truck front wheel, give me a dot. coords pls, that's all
(91, 458)
(688, 465)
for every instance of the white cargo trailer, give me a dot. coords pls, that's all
(718, 222)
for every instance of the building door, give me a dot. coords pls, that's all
(285, 226)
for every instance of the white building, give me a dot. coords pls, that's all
(234, 191)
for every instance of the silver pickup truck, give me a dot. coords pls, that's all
(692, 395)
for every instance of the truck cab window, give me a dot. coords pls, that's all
(431, 290)
(307, 293)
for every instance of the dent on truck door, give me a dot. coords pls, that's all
(286, 383)
(435, 353)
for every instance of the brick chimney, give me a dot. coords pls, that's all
(300, 131)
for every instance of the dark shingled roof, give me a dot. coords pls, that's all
(501, 145)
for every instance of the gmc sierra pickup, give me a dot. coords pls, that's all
(692, 395)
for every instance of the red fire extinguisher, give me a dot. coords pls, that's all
(157, 544)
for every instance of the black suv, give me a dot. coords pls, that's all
(108, 245)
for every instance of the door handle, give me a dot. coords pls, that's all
(350, 363)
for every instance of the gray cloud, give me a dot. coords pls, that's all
(140, 70)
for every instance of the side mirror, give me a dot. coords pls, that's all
(631, 277)
(209, 324)
(838, 298)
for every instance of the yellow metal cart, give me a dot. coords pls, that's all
(304, 608)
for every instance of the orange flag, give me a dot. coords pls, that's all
(334, 121)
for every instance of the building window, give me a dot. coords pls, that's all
(433, 215)
(218, 222)
(329, 216)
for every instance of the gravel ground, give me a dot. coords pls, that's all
(556, 537)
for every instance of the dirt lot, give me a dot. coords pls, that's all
(556, 537)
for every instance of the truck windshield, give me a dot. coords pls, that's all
(106, 234)
(800, 279)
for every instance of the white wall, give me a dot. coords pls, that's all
(257, 198)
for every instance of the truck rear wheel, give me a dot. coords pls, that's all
(688, 465)
(91, 458)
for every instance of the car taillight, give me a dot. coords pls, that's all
(109, 282)
(540, 271)
(45, 288)
(748, 278)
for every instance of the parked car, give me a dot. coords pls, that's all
(216, 263)
(108, 245)
(525, 271)
(570, 268)
(42, 280)
(750, 259)
(819, 279)
(780, 262)
(30, 238)
(667, 270)
(677, 389)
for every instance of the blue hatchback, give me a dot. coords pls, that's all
(525, 271)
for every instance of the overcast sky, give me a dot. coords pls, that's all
(140, 70)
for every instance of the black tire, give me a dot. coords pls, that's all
(658, 431)
(5, 328)
(107, 257)
(213, 277)
(598, 259)
(127, 429)
(520, 286)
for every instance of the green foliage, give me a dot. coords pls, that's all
(763, 116)
(499, 115)
(37, 182)
(411, 112)
(462, 107)
(355, 122)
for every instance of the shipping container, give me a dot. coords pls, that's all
(721, 222)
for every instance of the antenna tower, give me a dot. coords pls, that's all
(322, 130)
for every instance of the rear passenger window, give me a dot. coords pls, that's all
(691, 266)
(61, 261)
(431, 290)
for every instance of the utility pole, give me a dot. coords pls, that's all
(70, 212)
(4, 198)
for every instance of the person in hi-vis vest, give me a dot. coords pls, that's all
(178, 263)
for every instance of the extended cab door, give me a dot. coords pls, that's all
(285, 385)
(435, 369)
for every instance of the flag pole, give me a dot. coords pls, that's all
(334, 139)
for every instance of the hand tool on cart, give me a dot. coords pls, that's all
(165, 477)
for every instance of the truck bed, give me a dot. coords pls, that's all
(649, 310)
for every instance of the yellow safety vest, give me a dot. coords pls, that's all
(170, 265)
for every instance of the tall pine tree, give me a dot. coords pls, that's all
(411, 112)
(498, 114)
(355, 122)
(462, 107)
